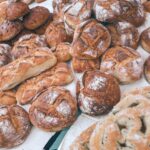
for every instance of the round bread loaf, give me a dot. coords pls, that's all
(53, 110)
(100, 92)
(14, 126)
(124, 63)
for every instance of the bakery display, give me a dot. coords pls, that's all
(53, 110)
(27, 44)
(37, 17)
(63, 52)
(76, 13)
(55, 34)
(25, 67)
(124, 34)
(15, 126)
(98, 94)
(124, 63)
(22, 9)
(91, 40)
(59, 75)
(147, 69)
(145, 38)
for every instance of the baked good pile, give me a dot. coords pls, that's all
(41, 52)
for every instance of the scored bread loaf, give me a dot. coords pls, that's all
(25, 67)
(59, 75)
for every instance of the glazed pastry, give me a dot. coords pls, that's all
(27, 44)
(41, 30)
(17, 10)
(124, 34)
(147, 69)
(91, 40)
(82, 65)
(7, 98)
(53, 110)
(107, 11)
(14, 126)
(3, 10)
(145, 40)
(59, 75)
(147, 6)
(55, 34)
(4, 54)
(82, 141)
(75, 13)
(132, 11)
(63, 52)
(9, 29)
(100, 92)
(25, 67)
(124, 63)
(37, 17)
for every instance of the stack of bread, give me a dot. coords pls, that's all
(40, 52)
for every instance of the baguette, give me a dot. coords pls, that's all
(25, 67)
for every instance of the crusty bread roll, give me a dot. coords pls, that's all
(15, 126)
(53, 110)
(25, 67)
(98, 94)
(59, 75)
(124, 63)
(82, 141)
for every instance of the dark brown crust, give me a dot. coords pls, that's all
(99, 94)
(16, 10)
(53, 110)
(37, 17)
(16, 120)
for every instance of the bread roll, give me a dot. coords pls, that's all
(3, 10)
(100, 92)
(124, 63)
(25, 67)
(53, 110)
(91, 40)
(58, 75)
(14, 126)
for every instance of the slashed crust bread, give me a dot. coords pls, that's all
(53, 110)
(25, 67)
(15, 126)
(82, 141)
(59, 75)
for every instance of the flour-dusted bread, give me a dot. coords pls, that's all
(82, 141)
(124, 63)
(59, 75)
(25, 67)
(15, 126)
(53, 110)
(98, 93)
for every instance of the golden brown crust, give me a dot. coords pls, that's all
(53, 110)
(39, 1)
(91, 40)
(124, 63)
(37, 17)
(82, 65)
(145, 40)
(82, 141)
(7, 98)
(100, 92)
(27, 44)
(25, 67)
(124, 34)
(59, 75)
(147, 69)
(76, 13)
(9, 29)
(63, 52)
(14, 126)
(3, 10)
(17, 10)
(55, 34)
(147, 6)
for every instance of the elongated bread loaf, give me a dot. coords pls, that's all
(25, 67)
